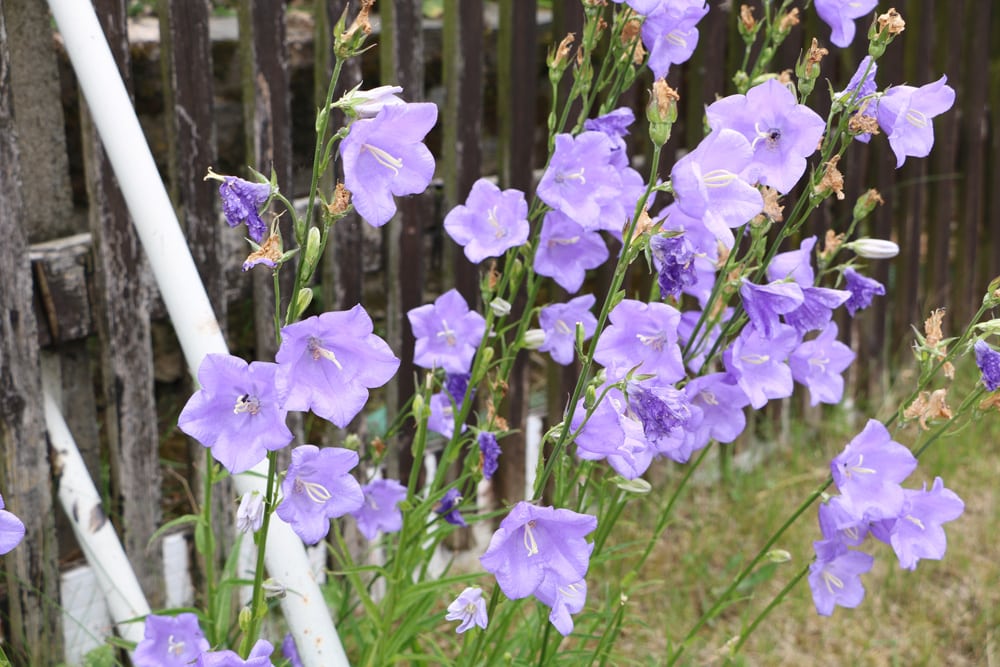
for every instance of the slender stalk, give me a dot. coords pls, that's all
(257, 601)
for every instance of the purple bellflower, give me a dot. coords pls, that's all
(835, 576)
(840, 15)
(818, 364)
(670, 32)
(11, 530)
(836, 522)
(868, 473)
(385, 156)
(318, 487)
(581, 178)
(250, 515)
(564, 599)
(673, 259)
(818, 303)
(988, 361)
(380, 512)
(905, 114)
(447, 333)
(559, 322)
(794, 264)
(538, 549)
(442, 419)
(612, 433)
(721, 405)
(862, 290)
(643, 335)
(764, 303)
(859, 87)
(237, 412)
(490, 222)
(614, 124)
(327, 363)
(170, 641)
(707, 180)
(469, 608)
(447, 507)
(489, 453)
(566, 250)
(757, 363)
(291, 651)
(782, 132)
(665, 414)
(260, 656)
(917, 533)
(241, 201)
(643, 6)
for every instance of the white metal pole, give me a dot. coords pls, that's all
(185, 298)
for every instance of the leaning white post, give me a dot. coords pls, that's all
(185, 298)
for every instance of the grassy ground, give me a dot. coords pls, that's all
(944, 613)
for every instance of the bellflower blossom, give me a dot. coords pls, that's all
(447, 507)
(327, 363)
(614, 125)
(489, 453)
(859, 87)
(291, 651)
(380, 511)
(559, 322)
(782, 132)
(764, 303)
(707, 182)
(665, 414)
(566, 251)
(385, 156)
(237, 412)
(612, 433)
(837, 522)
(170, 641)
(11, 530)
(447, 333)
(442, 418)
(721, 404)
(757, 363)
(673, 259)
(869, 470)
(818, 364)
(581, 178)
(643, 335)
(862, 290)
(840, 15)
(317, 487)
(835, 576)
(367, 103)
(905, 114)
(917, 533)
(250, 515)
(988, 361)
(818, 303)
(490, 222)
(540, 548)
(670, 32)
(470, 608)
(241, 201)
(564, 599)
(260, 656)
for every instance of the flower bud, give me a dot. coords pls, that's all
(302, 300)
(418, 408)
(873, 248)
(245, 617)
(250, 515)
(500, 307)
(313, 249)
(367, 103)
(533, 339)
(590, 397)
(637, 485)
(778, 556)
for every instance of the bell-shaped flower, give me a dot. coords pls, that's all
(447, 333)
(837, 522)
(614, 125)
(757, 363)
(840, 15)
(534, 543)
(782, 132)
(764, 303)
(385, 156)
(862, 289)
(327, 363)
(674, 261)
(489, 453)
(988, 361)
(642, 336)
(670, 32)
(250, 515)
(666, 415)
(868, 473)
(559, 321)
(905, 113)
(566, 251)
(819, 363)
(490, 222)
(835, 576)
(614, 434)
(721, 404)
(11, 530)
(241, 202)
(581, 178)
(917, 533)
(469, 608)
(317, 487)
(380, 512)
(170, 641)
(447, 507)
(564, 599)
(237, 412)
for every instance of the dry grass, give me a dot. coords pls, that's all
(944, 613)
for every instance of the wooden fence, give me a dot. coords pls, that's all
(74, 288)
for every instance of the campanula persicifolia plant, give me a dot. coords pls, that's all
(738, 310)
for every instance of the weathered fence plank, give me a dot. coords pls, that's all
(33, 623)
(123, 291)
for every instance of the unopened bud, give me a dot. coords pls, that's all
(313, 249)
(245, 616)
(250, 515)
(303, 298)
(500, 307)
(417, 408)
(778, 556)
(661, 112)
(533, 339)
(637, 485)
(873, 248)
(590, 397)
(866, 204)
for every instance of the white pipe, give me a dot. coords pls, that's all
(94, 532)
(184, 295)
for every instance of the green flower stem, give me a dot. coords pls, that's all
(744, 635)
(257, 601)
(208, 556)
(610, 634)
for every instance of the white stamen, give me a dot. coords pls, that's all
(562, 177)
(831, 578)
(916, 118)
(656, 342)
(491, 217)
(384, 158)
(756, 359)
(718, 178)
(317, 492)
(529, 539)
(316, 348)
(447, 334)
(247, 403)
